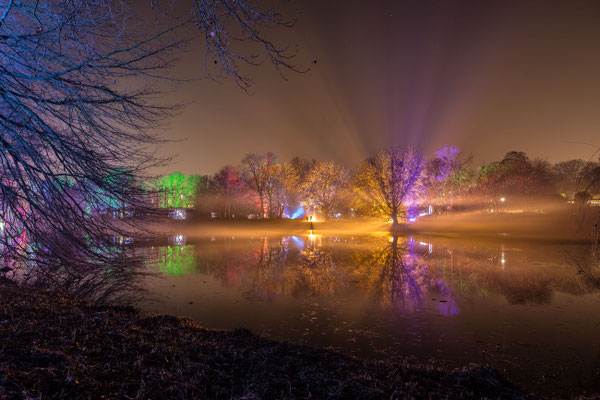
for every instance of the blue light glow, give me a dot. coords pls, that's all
(298, 213)
(298, 241)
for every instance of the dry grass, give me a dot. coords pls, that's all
(53, 346)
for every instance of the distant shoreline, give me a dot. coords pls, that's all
(557, 227)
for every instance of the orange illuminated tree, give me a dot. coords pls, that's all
(386, 183)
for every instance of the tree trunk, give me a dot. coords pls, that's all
(262, 206)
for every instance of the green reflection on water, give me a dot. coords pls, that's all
(177, 260)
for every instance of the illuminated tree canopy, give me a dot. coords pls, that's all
(324, 185)
(385, 183)
(177, 190)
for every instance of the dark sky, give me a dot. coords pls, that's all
(487, 76)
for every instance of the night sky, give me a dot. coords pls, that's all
(487, 76)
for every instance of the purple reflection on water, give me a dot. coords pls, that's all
(447, 305)
(413, 279)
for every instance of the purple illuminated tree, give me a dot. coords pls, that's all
(448, 161)
(384, 184)
(448, 176)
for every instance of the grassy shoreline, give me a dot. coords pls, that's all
(54, 346)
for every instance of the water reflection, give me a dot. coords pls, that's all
(394, 273)
(398, 272)
(107, 269)
(531, 275)
(284, 266)
(176, 260)
(120, 279)
(525, 306)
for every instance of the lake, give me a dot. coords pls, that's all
(531, 310)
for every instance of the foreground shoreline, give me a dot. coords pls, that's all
(54, 346)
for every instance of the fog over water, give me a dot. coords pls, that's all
(526, 308)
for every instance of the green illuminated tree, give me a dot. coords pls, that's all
(177, 190)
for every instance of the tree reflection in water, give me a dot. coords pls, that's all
(398, 272)
(317, 272)
(177, 260)
(398, 275)
(531, 275)
(268, 280)
(282, 268)
(395, 272)
(120, 281)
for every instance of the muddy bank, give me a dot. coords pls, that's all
(53, 346)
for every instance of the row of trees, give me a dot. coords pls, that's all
(386, 185)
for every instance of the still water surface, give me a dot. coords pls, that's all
(527, 309)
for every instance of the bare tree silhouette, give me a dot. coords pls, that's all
(78, 97)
